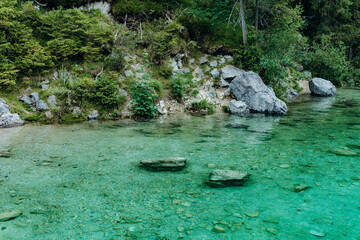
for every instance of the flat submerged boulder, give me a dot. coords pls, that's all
(226, 178)
(9, 215)
(321, 87)
(165, 164)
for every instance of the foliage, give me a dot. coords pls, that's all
(202, 105)
(105, 93)
(144, 8)
(115, 62)
(328, 61)
(248, 58)
(32, 42)
(177, 86)
(143, 100)
(168, 41)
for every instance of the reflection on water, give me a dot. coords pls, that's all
(83, 181)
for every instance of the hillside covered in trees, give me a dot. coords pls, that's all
(86, 53)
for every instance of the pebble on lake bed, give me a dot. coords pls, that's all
(226, 178)
(9, 215)
(317, 233)
(218, 229)
(166, 164)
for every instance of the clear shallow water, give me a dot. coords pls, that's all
(83, 181)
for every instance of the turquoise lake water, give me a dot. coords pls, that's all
(82, 181)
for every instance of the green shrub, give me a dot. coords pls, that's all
(143, 102)
(157, 86)
(115, 62)
(177, 87)
(105, 93)
(328, 61)
(248, 58)
(168, 41)
(202, 105)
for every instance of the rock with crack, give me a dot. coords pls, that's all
(165, 164)
(8, 119)
(321, 87)
(249, 88)
(226, 178)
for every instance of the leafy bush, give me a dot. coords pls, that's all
(105, 92)
(143, 102)
(248, 58)
(115, 62)
(74, 34)
(168, 41)
(144, 8)
(177, 87)
(328, 61)
(157, 86)
(202, 105)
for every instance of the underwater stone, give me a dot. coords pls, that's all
(226, 178)
(317, 233)
(343, 152)
(252, 214)
(218, 229)
(301, 188)
(166, 164)
(9, 215)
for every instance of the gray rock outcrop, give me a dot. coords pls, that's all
(168, 164)
(249, 88)
(215, 73)
(34, 102)
(238, 107)
(93, 115)
(52, 100)
(227, 178)
(8, 119)
(322, 87)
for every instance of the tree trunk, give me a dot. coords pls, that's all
(243, 23)
(257, 16)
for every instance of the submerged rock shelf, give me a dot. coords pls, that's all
(84, 182)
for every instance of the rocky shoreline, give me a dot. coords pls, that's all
(239, 91)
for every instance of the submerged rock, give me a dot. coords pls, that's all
(317, 233)
(249, 88)
(237, 125)
(219, 229)
(300, 188)
(238, 107)
(226, 178)
(5, 154)
(166, 164)
(344, 152)
(9, 215)
(322, 87)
